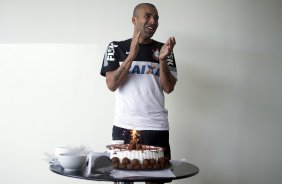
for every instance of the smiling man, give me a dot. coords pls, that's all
(139, 70)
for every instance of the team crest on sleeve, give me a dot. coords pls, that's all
(156, 53)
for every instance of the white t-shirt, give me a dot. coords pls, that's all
(140, 102)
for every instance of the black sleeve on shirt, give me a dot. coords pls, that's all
(110, 61)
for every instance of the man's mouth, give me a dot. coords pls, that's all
(150, 28)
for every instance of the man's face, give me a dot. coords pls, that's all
(146, 21)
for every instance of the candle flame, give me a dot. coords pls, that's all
(134, 136)
(133, 133)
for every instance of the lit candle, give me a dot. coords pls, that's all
(134, 137)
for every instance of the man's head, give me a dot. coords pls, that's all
(146, 20)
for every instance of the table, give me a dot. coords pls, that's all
(182, 170)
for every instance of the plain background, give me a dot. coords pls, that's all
(225, 113)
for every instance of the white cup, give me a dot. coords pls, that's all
(62, 150)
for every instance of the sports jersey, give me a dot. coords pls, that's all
(140, 99)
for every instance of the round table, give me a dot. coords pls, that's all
(182, 170)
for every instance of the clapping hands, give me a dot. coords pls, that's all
(167, 48)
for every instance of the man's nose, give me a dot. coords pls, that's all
(153, 20)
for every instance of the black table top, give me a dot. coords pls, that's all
(182, 170)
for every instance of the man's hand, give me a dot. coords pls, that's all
(167, 48)
(115, 78)
(134, 46)
(166, 78)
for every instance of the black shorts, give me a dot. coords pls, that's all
(148, 137)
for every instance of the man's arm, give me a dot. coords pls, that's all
(115, 78)
(167, 80)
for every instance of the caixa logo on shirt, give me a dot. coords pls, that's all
(144, 69)
(111, 52)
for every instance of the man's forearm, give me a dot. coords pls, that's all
(118, 73)
(167, 80)
(115, 78)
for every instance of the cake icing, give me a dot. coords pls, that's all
(146, 152)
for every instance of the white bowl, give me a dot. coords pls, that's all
(62, 150)
(72, 162)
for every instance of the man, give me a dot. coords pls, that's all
(139, 70)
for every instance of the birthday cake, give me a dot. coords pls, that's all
(137, 156)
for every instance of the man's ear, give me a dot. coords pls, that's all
(133, 19)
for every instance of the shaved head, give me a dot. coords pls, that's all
(140, 6)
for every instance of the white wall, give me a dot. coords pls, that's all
(226, 108)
